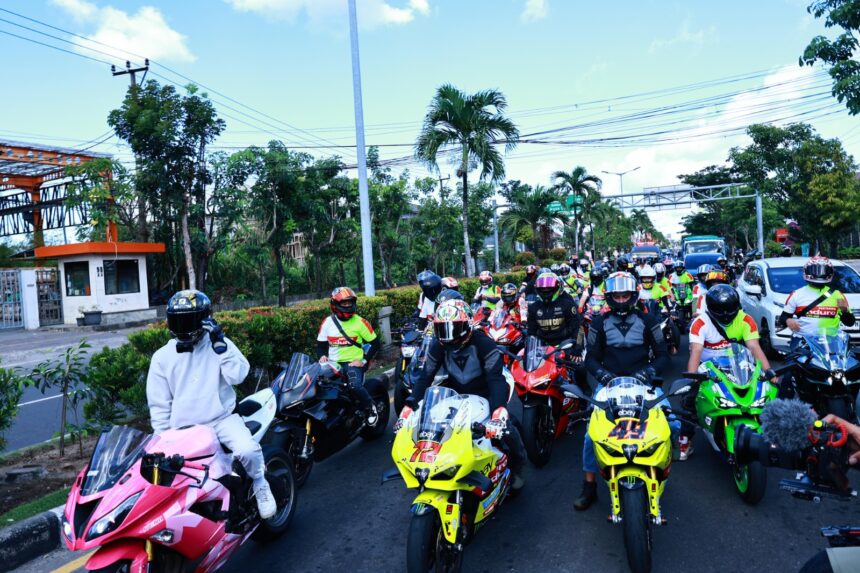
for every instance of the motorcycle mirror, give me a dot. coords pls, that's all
(576, 392)
(565, 345)
(681, 386)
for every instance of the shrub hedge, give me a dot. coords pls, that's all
(267, 336)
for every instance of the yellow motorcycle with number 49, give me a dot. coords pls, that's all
(462, 478)
(633, 445)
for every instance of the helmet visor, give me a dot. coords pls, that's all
(451, 332)
(184, 325)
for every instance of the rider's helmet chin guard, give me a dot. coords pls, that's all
(343, 303)
(452, 323)
(186, 311)
(818, 271)
(621, 283)
(723, 304)
(548, 286)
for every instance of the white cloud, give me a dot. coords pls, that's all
(371, 13)
(534, 10)
(685, 36)
(146, 33)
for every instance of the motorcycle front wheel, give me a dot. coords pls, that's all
(427, 550)
(751, 481)
(538, 433)
(279, 473)
(637, 528)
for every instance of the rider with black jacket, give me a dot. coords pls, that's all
(553, 316)
(474, 366)
(623, 342)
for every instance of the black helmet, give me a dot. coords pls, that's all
(186, 310)
(622, 264)
(723, 303)
(621, 282)
(430, 283)
(596, 276)
(510, 293)
(449, 294)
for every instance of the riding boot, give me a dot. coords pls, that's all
(587, 497)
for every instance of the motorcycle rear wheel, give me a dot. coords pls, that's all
(379, 394)
(637, 528)
(279, 466)
(427, 551)
(538, 433)
(751, 481)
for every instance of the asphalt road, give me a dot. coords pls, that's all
(347, 521)
(39, 414)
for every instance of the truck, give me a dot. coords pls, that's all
(702, 249)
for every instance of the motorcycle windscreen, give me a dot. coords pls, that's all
(439, 414)
(738, 365)
(534, 354)
(626, 396)
(117, 449)
(420, 355)
(830, 351)
(498, 318)
(290, 376)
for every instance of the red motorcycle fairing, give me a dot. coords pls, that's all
(504, 331)
(133, 550)
(545, 381)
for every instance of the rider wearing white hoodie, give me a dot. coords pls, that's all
(190, 382)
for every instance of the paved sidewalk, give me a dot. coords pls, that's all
(39, 414)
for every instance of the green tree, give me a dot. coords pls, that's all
(839, 54)
(390, 202)
(470, 126)
(529, 211)
(576, 183)
(11, 390)
(169, 134)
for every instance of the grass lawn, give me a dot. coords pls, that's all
(34, 507)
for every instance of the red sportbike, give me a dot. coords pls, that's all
(539, 372)
(505, 331)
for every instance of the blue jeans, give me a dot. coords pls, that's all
(589, 459)
(355, 374)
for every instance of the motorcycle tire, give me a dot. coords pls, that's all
(426, 546)
(637, 528)
(538, 433)
(751, 481)
(279, 465)
(379, 393)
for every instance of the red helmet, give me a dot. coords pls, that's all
(452, 323)
(451, 283)
(818, 271)
(485, 278)
(531, 272)
(343, 303)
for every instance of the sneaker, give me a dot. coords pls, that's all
(587, 497)
(686, 448)
(265, 500)
(518, 482)
(372, 416)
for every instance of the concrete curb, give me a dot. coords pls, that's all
(28, 539)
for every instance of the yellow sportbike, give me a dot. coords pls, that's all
(633, 446)
(462, 478)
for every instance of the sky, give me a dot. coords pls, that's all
(661, 87)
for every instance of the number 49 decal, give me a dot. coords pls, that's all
(629, 430)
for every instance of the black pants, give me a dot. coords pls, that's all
(355, 374)
(513, 442)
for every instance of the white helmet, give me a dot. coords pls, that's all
(647, 272)
(660, 269)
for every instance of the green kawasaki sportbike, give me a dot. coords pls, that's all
(730, 393)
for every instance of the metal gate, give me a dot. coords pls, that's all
(10, 299)
(50, 301)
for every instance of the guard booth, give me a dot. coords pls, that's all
(107, 276)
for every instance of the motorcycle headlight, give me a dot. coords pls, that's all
(725, 404)
(650, 449)
(113, 519)
(542, 381)
(759, 403)
(407, 351)
(67, 528)
(447, 473)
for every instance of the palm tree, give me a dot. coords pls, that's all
(576, 183)
(529, 209)
(469, 126)
(641, 222)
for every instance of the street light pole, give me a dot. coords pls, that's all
(495, 237)
(363, 198)
(621, 175)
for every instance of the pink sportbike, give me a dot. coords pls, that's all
(175, 502)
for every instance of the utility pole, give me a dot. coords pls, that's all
(495, 237)
(759, 222)
(363, 198)
(441, 179)
(142, 229)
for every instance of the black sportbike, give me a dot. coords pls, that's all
(317, 407)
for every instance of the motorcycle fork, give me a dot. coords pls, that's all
(307, 448)
(148, 545)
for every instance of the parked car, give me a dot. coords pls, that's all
(766, 283)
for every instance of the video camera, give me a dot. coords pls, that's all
(793, 438)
